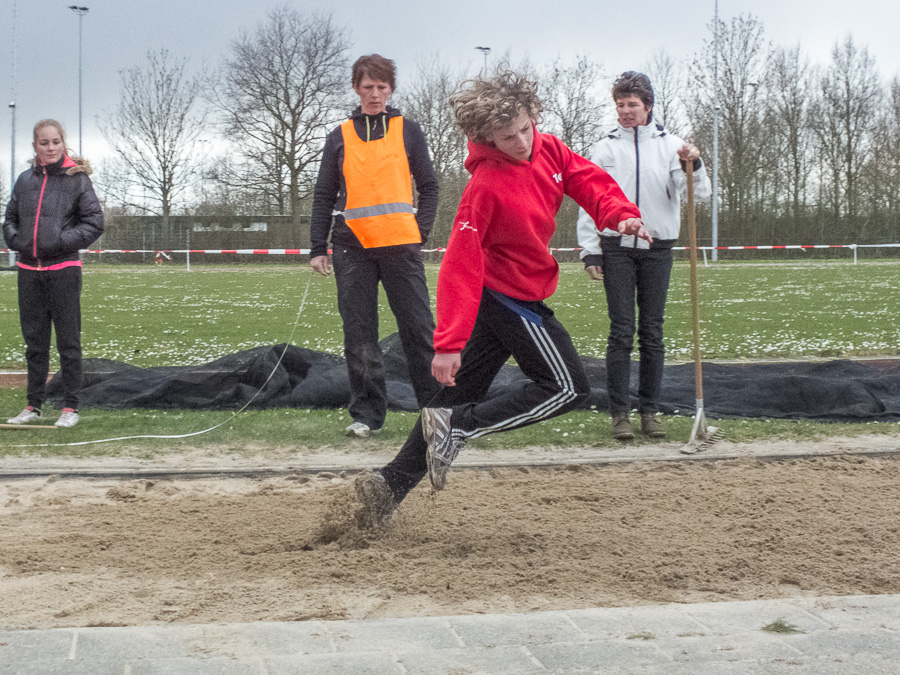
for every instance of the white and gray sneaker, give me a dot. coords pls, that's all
(68, 418)
(376, 499)
(359, 430)
(28, 415)
(442, 446)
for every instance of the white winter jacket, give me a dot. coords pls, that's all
(649, 172)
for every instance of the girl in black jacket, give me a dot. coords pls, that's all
(53, 213)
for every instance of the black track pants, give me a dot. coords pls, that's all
(401, 272)
(555, 382)
(51, 298)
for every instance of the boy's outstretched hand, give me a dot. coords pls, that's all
(636, 227)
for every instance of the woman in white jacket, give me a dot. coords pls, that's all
(649, 165)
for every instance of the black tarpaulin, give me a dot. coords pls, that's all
(836, 390)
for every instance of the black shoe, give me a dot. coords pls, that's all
(376, 499)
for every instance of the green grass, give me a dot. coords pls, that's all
(298, 430)
(783, 310)
(151, 316)
(782, 627)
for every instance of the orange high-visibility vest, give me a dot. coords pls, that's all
(379, 207)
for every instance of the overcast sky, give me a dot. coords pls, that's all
(118, 34)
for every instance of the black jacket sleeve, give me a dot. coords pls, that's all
(423, 173)
(11, 221)
(89, 219)
(325, 195)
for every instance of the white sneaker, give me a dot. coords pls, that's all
(68, 418)
(26, 416)
(359, 430)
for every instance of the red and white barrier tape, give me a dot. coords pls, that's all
(441, 249)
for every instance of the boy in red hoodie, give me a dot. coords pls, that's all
(494, 277)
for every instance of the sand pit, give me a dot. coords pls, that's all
(106, 552)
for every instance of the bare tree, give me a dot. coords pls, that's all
(155, 131)
(743, 68)
(789, 94)
(279, 94)
(425, 99)
(848, 94)
(668, 82)
(575, 107)
(881, 174)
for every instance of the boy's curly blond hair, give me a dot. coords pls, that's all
(483, 106)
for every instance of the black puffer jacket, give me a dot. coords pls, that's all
(53, 213)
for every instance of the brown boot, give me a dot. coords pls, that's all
(621, 427)
(652, 426)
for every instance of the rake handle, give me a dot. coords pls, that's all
(695, 299)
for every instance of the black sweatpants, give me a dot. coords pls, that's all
(401, 271)
(51, 298)
(543, 350)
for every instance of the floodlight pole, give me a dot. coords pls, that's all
(715, 176)
(80, 11)
(485, 51)
(12, 111)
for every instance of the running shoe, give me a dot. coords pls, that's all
(359, 430)
(376, 499)
(442, 447)
(30, 414)
(68, 418)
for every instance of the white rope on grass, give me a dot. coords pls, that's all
(193, 433)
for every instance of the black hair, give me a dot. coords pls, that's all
(632, 83)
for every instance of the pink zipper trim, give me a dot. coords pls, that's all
(37, 216)
(57, 266)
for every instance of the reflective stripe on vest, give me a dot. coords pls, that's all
(379, 207)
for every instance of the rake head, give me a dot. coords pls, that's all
(702, 435)
(701, 443)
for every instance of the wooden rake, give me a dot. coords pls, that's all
(702, 435)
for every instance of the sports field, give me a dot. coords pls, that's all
(158, 316)
(606, 525)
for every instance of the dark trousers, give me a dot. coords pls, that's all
(629, 275)
(401, 271)
(51, 299)
(556, 383)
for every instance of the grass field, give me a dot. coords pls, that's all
(151, 316)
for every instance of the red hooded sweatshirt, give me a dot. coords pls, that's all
(501, 235)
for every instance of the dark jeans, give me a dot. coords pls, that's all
(401, 272)
(631, 274)
(51, 299)
(556, 383)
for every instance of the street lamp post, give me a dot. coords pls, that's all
(12, 111)
(715, 176)
(80, 11)
(485, 51)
